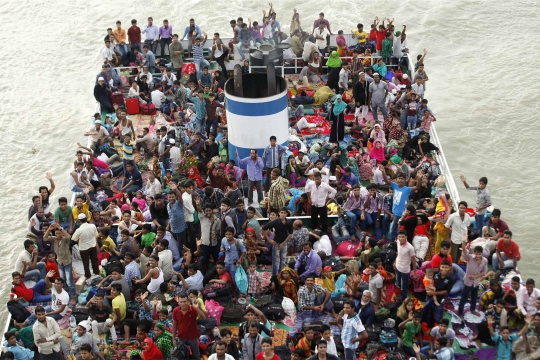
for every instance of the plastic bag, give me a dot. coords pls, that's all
(288, 307)
(241, 280)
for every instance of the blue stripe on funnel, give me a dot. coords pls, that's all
(257, 109)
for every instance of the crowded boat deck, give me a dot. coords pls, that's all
(276, 195)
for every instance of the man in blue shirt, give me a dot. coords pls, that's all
(175, 208)
(152, 34)
(245, 41)
(254, 167)
(308, 263)
(272, 159)
(150, 58)
(400, 198)
(200, 109)
(192, 31)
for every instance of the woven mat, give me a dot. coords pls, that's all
(279, 339)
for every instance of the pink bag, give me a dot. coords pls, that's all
(214, 310)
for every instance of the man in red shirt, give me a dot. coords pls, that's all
(223, 275)
(185, 323)
(507, 253)
(495, 227)
(349, 249)
(31, 295)
(134, 37)
(436, 260)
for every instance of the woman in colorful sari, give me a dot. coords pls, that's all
(442, 211)
(287, 283)
(397, 138)
(292, 173)
(341, 43)
(377, 151)
(252, 247)
(377, 133)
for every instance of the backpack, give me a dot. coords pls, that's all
(17, 311)
(394, 355)
(264, 301)
(381, 315)
(389, 339)
(181, 350)
(390, 254)
(80, 314)
(373, 332)
(233, 313)
(335, 265)
(215, 290)
(372, 348)
(274, 312)
(113, 265)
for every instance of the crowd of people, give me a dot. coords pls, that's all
(168, 232)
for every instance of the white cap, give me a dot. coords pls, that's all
(97, 122)
(332, 178)
(81, 216)
(376, 74)
(394, 91)
(85, 325)
(310, 172)
(171, 141)
(405, 76)
(100, 78)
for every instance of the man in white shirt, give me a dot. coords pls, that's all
(86, 236)
(319, 165)
(47, 335)
(194, 280)
(98, 135)
(322, 38)
(526, 302)
(34, 270)
(459, 223)
(220, 354)
(165, 259)
(157, 96)
(378, 176)
(344, 74)
(153, 186)
(309, 46)
(418, 87)
(108, 55)
(318, 192)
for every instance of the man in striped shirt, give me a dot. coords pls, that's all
(353, 331)
(198, 56)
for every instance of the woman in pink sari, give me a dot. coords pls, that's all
(377, 151)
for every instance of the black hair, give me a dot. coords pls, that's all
(496, 212)
(483, 179)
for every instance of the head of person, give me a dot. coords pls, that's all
(445, 267)
(507, 237)
(220, 267)
(348, 307)
(402, 237)
(221, 348)
(253, 328)
(462, 207)
(529, 285)
(283, 212)
(297, 354)
(85, 351)
(445, 247)
(266, 345)
(116, 289)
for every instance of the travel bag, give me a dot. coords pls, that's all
(148, 109)
(132, 106)
(233, 313)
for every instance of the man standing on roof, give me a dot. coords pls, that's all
(322, 37)
(254, 167)
(378, 90)
(483, 199)
(192, 31)
(165, 36)
(134, 36)
(272, 159)
(318, 194)
(321, 18)
(152, 32)
(458, 222)
(85, 236)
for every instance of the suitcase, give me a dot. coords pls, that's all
(117, 98)
(132, 106)
(148, 109)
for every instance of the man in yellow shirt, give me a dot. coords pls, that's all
(121, 36)
(82, 206)
(360, 34)
(119, 305)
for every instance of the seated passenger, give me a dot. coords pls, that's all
(506, 254)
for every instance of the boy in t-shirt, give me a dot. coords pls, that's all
(411, 327)
(147, 236)
(328, 280)
(118, 305)
(304, 343)
(127, 150)
(254, 280)
(233, 192)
